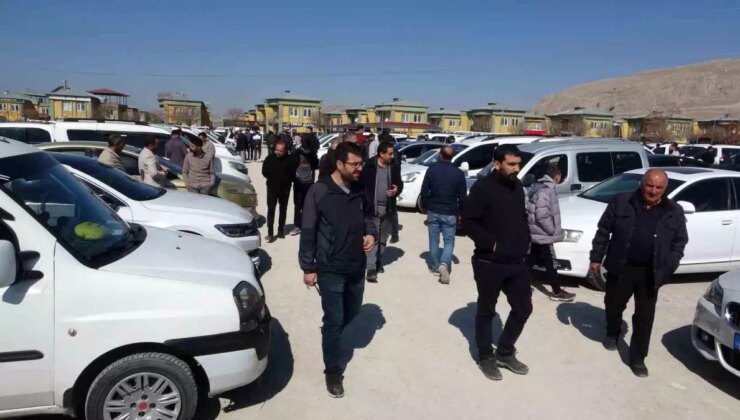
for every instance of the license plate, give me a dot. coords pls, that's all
(736, 345)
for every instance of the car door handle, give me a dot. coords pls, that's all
(726, 222)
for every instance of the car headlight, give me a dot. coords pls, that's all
(232, 151)
(250, 304)
(715, 293)
(572, 235)
(239, 230)
(410, 177)
(239, 167)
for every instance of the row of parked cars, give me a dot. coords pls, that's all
(119, 299)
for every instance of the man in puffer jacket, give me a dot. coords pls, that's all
(543, 216)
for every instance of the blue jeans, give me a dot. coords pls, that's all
(446, 225)
(341, 299)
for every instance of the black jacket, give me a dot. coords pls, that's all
(312, 141)
(311, 158)
(241, 142)
(493, 215)
(279, 172)
(616, 227)
(444, 189)
(367, 179)
(327, 164)
(333, 227)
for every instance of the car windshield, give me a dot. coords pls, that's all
(425, 156)
(80, 221)
(114, 178)
(692, 150)
(619, 184)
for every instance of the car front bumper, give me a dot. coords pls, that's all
(714, 338)
(572, 261)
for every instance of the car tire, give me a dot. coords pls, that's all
(422, 209)
(169, 379)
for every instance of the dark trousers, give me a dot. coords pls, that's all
(341, 299)
(300, 189)
(393, 214)
(273, 198)
(544, 255)
(258, 151)
(491, 278)
(637, 281)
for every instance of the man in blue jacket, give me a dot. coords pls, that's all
(443, 192)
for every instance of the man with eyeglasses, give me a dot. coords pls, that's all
(337, 229)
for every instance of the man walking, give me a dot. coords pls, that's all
(305, 162)
(241, 145)
(175, 150)
(197, 170)
(443, 192)
(494, 217)
(279, 173)
(149, 169)
(270, 141)
(111, 156)
(642, 235)
(382, 182)
(337, 229)
(257, 144)
(313, 140)
(543, 216)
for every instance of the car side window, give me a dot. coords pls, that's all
(82, 135)
(730, 156)
(477, 157)
(594, 166)
(76, 152)
(540, 168)
(130, 165)
(110, 200)
(708, 195)
(625, 161)
(659, 150)
(37, 135)
(412, 152)
(15, 133)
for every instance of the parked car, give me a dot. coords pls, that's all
(662, 160)
(708, 196)
(227, 187)
(112, 319)
(725, 154)
(715, 332)
(135, 201)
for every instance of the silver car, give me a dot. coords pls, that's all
(716, 329)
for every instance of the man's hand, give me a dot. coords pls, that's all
(595, 268)
(367, 244)
(392, 192)
(309, 279)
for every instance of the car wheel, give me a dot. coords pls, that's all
(143, 385)
(419, 206)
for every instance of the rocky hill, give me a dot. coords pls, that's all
(703, 90)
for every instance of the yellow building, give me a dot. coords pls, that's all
(41, 104)
(250, 117)
(16, 107)
(581, 121)
(180, 111)
(534, 122)
(657, 126)
(724, 129)
(70, 103)
(449, 120)
(497, 119)
(294, 112)
(400, 116)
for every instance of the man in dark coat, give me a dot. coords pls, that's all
(643, 236)
(279, 173)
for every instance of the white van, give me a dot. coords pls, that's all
(105, 319)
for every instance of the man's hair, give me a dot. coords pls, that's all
(336, 141)
(197, 141)
(446, 153)
(114, 140)
(345, 149)
(203, 134)
(279, 142)
(384, 146)
(371, 136)
(347, 137)
(360, 128)
(553, 170)
(386, 131)
(506, 150)
(149, 141)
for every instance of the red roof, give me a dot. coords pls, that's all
(106, 92)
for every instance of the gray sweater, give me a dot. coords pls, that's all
(198, 170)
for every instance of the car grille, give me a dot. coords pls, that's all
(732, 357)
(732, 313)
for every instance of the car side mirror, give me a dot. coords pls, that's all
(688, 208)
(465, 167)
(8, 264)
(529, 180)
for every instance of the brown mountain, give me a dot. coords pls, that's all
(703, 90)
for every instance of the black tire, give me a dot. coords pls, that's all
(168, 366)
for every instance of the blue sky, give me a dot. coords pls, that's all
(457, 54)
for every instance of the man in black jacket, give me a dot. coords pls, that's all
(494, 217)
(337, 230)
(279, 173)
(382, 182)
(642, 235)
(305, 162)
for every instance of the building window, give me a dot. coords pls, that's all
(3, 107)
(293, 112)
(405, 118)
(307, 112)
(15, 107)
(417, 118)
(80, 106)
(44, 111)
(67, 106)
(504, 121)
(593, 125)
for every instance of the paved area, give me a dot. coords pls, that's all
(412, 350)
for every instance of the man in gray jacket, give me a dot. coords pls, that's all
(543, 216)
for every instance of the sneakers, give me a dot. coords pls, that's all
(295, 232)
(511, 363)
(639, 369)
(488, 366)
(381, 270)
(334, 385)
(372, 276)
(444, 274)
(394, 239)
(610, 343)
(270, 238)
(563, 296)
(281, 234)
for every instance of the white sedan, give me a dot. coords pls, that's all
(710, 201)
(198, 214)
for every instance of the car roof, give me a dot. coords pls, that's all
(579, 143)
(83, 144)
(684, 173)
(10, 147)
(426, 143)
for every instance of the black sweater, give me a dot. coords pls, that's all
(494, 215)
(279, 172)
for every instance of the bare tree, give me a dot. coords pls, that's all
(519, 128)
(235, 116)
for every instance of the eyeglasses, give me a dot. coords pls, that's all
(352, 164)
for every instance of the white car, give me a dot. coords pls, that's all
(715, 332)
(707, 195)
(413, 172)
(107, 319)
(724, 153)
(137, 202)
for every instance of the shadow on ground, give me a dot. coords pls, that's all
(590, 321)
(265, 262)
(678, 344)
(425, 256)
(391, 254)
(464, 320)
(361, 331)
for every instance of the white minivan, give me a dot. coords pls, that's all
(107, 319)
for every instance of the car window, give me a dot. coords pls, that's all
(37, 135)
(477, 157)
(137, 139)
(594, 166)
(659, 150)
(112, 202)
(76, 152)
(412, 152)
(619, 184)
(15, 133)
(658, 161)
(540, 167)
(130, 164)
(736, 187)
(730, 156)
(625, 161)
(708, 195)
(82, 135)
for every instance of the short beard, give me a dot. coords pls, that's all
(509, 180)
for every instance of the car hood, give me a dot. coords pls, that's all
(199, 205)
(731, 281)
(188, 258)
(579, 213)
(408, 168)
